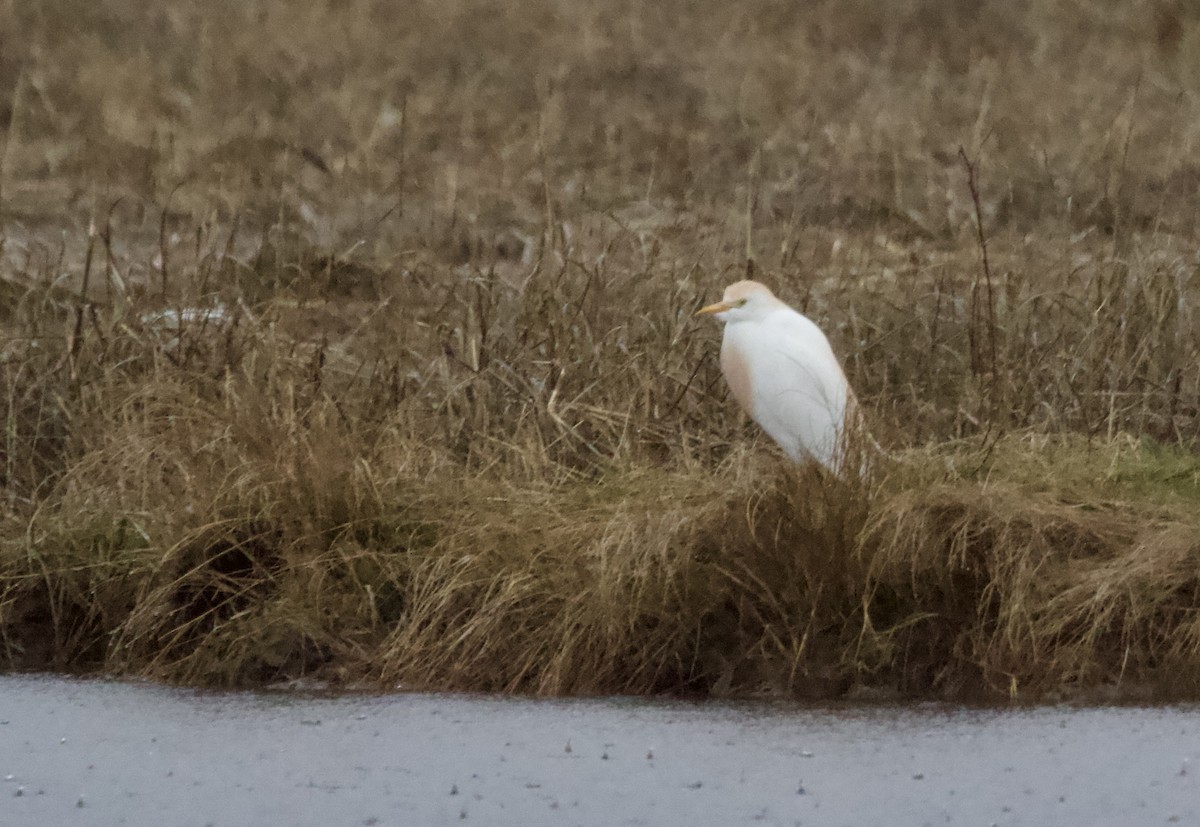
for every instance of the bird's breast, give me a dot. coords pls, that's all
(735, 364)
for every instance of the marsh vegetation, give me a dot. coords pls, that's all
(355, 341)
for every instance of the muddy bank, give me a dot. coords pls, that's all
(92, 752)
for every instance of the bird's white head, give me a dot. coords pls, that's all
(743, 301)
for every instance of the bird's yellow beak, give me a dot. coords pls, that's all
(712, 308)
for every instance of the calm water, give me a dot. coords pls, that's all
(103, 753)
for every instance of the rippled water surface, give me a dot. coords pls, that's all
(105, 753)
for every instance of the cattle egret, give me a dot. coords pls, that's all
(782, 371)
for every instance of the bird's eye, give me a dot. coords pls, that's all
(741, 302)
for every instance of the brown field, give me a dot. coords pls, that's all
(353, 340)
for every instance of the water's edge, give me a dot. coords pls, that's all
(108, 752)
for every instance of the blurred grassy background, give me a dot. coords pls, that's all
(437, 140)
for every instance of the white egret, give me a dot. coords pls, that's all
(782, 371)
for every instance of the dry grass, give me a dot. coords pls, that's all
(378, 362)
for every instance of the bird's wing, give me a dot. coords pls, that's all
(803, 346)
(803, 391)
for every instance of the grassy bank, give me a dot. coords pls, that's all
(358, 345)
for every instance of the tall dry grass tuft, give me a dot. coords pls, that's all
(397, 381)
(1074, 582)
